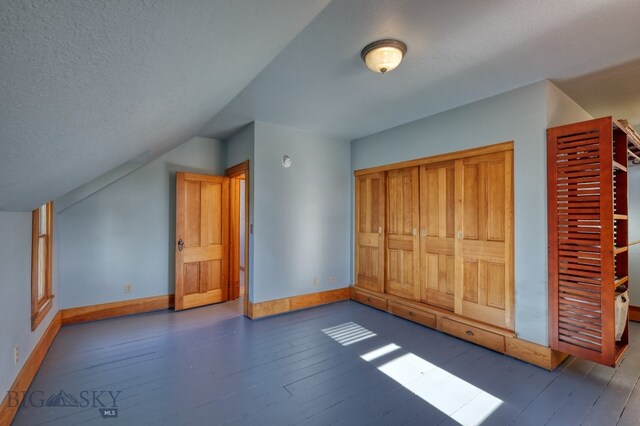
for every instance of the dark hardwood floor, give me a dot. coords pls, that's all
(343, 364)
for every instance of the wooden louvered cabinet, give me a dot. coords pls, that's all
(588, 232)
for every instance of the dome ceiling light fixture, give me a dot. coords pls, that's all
(383, 55)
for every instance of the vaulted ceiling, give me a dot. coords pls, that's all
(459, 51)
(87, 86)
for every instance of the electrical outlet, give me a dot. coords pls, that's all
(128, 288)
(332, 279)
(316, 282)
(16, 355)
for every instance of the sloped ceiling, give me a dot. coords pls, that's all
(87, 85)
(612, 91)
(459, 51)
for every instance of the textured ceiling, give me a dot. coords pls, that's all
(612, 91)
(88, 85)
(458, 51)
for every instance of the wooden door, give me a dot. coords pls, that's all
(484, 238)
(370, 222)
(202, 240)
(403, 241)
(437, 234)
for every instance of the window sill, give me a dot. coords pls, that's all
(45, 307)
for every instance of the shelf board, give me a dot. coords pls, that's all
(617, 283)
(633, 139)
(620, 217)
(619, 166)
(618, 250)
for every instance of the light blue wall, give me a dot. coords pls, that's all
(125, 233)
(240, 147)
(15, 295)
(634, 235)
(522, 116)
(301, 214)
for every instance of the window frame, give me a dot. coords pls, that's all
(40, 306)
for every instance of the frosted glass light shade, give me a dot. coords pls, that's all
(383, 55)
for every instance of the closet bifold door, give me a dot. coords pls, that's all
(581, 239)
(484, 238)
(370, 223)
(403, 241)
(437, 233)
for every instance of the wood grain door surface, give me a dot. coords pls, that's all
(437, 232)
(370, 227)
(403, 241)
(484, 238)
(202, 240)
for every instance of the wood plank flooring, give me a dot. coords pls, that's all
(342, 364)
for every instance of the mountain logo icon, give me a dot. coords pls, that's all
(62, 399)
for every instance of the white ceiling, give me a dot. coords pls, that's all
(86, 86)
(612, 91)
(459, 51)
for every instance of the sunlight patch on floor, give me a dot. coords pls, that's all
(380, 352)
(460, 400)
(348, 333)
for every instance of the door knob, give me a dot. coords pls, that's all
(459, 235)
(180, 244)
(424, 232)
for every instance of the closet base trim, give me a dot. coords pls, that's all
(494, 338)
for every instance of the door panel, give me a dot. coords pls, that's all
(403, 241)
(191, 235)
(370, 222)
(484, 244)
(437, 226)
(202, 225)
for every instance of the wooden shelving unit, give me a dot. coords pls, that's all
(588, 235)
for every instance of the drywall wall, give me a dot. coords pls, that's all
(301, 213)
(634, 235)
(15, 295)
(125, 233)
(561, 109)
(84, 191)
(240, 147)
(521, 115)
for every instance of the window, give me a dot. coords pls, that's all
(41, 239)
